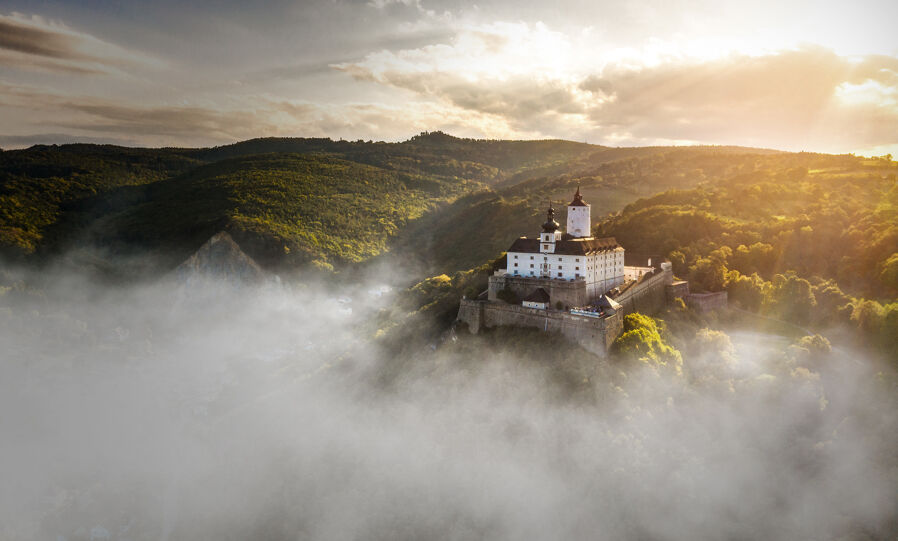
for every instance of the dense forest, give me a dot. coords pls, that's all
(806, 238)
(811, 240)
(294, 203)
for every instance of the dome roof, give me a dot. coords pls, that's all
(551, 225)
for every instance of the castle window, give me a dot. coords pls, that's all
(515, 264)
(559, 259)
(531, 258)
(577, 268)
(559, 274)
(545, 246)
(576, 259)
(515, 257)
(531, 265)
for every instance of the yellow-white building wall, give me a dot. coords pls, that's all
(602, 270)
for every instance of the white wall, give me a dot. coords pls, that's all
(634, 273)
(579, 221)
(602, 271)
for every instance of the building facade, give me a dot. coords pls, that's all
(572, 256)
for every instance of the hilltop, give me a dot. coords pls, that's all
(444, 203)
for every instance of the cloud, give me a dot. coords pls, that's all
(34, 43)
(543, 82)
(790, 98)
(123, 122)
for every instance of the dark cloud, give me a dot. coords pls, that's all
(29, 62)
(36, 44)
(123, 122)
(185, 123)
(36, 41)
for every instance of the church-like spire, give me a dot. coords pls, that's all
(578, 199)
(551, 225)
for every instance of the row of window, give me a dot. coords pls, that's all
(577, 259)
(559, 266)
(560, 274)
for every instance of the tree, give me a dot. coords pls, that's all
(889, 274)
(833, 306)
(643, 340)
(791, 298)
(508, 296)
(708, 274)
(868, 316)
(746, 291)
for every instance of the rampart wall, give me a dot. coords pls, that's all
(593, 334)
(568, 293)
(677, 290)
(648, 296)
(705, 302)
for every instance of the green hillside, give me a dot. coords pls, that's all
(284, 209)
(39, 185)
(445, 203)
(477, 228)
(290, 201)
(809, 239)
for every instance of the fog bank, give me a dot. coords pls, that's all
(162, 412)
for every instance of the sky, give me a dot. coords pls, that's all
(816, 76)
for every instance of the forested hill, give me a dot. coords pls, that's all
(814, 244)
(291, 203)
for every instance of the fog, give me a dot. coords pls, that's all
(215, 411)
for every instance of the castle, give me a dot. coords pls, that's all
(572, 283)
(573, 256)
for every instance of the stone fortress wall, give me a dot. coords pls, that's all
(648, 295)
(595, 334)
(568, 293)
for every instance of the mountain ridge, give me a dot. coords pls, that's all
(294, 202)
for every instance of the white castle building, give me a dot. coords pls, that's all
(572, 256)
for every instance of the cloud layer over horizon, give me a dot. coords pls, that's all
(385, 70)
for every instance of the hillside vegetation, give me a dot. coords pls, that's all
(448, 203)
(290, 202)
(810, 239)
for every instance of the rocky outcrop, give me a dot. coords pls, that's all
(219, 258)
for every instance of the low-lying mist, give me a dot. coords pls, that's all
(165, 411)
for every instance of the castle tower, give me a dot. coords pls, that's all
(579, 221)
(550, 234)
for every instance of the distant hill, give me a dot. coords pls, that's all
(447, 202)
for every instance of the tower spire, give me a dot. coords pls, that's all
(551, 225)
(578, 199)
